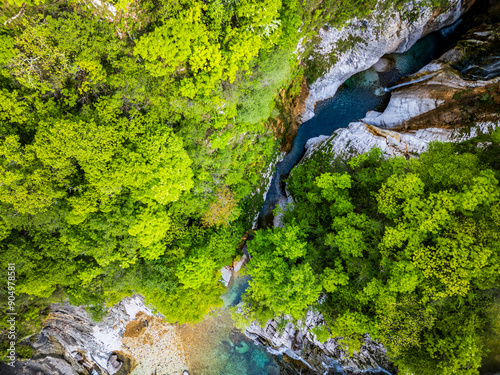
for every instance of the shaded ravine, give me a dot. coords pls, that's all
(363, 92)
(216, 346)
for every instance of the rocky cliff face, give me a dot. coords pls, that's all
(461, 90)
(309, 356)
(130, 339)
(385, 31)
(360, 137)
(451, 105)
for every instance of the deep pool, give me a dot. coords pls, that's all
(358, 95)
(229, 352)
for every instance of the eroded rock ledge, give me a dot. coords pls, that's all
(462, 88)
(129, 339)
(310, 356)
(450, 106)
(383, 32)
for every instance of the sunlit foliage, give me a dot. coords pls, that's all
(408, 251)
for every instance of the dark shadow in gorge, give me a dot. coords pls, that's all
(361, 93)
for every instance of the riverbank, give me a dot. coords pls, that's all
(213, 345)
(467, 109)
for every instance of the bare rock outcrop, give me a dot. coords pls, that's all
(450, 106)
(359, 138)
(463, 84)
(129, 338)
(314, 357)
(383, 32)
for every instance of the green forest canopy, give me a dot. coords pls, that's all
(132, 141)
(121, 136)
(405, 250)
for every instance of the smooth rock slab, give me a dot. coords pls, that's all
(359, 138)
(381, 34)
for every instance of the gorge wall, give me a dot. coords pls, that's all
(458, 100)
(361, 43)
(129, 340)
(452, 105)
(70, 343)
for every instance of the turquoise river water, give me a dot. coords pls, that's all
(232, 353)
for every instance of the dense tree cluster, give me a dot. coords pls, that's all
(127, 147)
(405, 250)
(133, 136)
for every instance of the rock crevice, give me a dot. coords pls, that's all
(383, 32)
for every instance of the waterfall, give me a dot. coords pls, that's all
(421, 79)
(447, 31)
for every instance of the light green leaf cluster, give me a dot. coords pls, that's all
(408, 250)
(282, 283)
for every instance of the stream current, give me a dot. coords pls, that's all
(363, 92)
(230, 352)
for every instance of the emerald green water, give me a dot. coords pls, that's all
(239, 354)
(230, 352)
(216, 347)
(361, 93)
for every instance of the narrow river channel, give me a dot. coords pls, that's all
(361, 93)
(228, 352)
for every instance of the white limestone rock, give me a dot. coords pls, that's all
(71, 343)
(226, 274)
(421, 97)
(402, 108)
(243, 260)
(359, 138)
(283, 204)
(381, 33)
(314, 142)
(297, 341)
